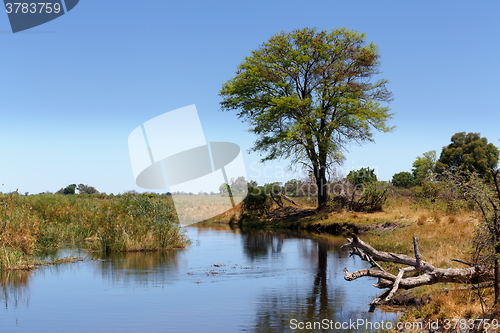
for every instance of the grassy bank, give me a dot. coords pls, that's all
(30, 224)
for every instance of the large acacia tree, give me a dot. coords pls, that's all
(307, 94)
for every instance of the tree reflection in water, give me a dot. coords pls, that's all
(137, 267)
(258, 244)
(15, 288)
(261, 280)
(326, 296)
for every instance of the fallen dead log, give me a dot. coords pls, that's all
(288, 199)
(426, 273)
(277, 198)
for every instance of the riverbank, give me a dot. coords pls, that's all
(32, 224)
(444, 233)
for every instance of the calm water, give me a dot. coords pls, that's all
(226, 281)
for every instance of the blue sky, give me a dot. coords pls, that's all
(73, 89)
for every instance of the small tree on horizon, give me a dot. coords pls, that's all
(70, 189)
(87, 189)
(423, 167)
(362, 176)
(403, 179)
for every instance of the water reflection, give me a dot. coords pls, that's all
(320, 300)
(230, 279)
(137, 267)
(15, 289)
(325, 297)
(258, 244)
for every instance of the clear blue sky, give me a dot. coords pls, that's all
(73, 89)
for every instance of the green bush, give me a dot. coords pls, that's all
(403, 179)
(362, 176)
(428, 190)
(257, 202)
(373, 197)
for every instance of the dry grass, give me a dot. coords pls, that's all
(450, 304)
(441, 238)
(438, 241)
(29, 224)
(443, 235)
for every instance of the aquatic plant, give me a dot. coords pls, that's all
(101, 223)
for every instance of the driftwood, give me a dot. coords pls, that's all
(426, 273)
(277, 199)
(288, 199)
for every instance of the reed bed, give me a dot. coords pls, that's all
(29, 224)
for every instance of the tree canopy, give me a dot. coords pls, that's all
(403, 179)
(362, 176)
(87, 189)
(307, 94)
(469, 152)
(423, 167)
(70, 189)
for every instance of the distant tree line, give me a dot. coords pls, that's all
(466, 154)
(72, 188)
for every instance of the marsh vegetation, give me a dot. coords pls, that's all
(32, 224)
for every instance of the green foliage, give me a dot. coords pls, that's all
(257, 202)
(292, 187)
(307, 93)
(70, 189)
(362, 197)
(427, 190)
(273, 188)
(12, 258)
(238, 187)
(423, 167)
(439, 195)
(362, 176)
(403, 179)
(87, 189)
(373, 197)
(224, 189)
(468, 153)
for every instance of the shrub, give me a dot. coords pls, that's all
(373, 198)
(70, 189)
(362, 176)
(403, 179)
(257, 202)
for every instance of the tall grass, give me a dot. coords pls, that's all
(111, 224)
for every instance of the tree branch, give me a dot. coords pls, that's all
(431, 275)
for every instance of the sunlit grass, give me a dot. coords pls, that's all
(125, 223)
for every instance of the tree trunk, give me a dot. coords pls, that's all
(497, 275)
(322, 185)
(496, 228)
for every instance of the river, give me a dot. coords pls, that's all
(227, 280)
